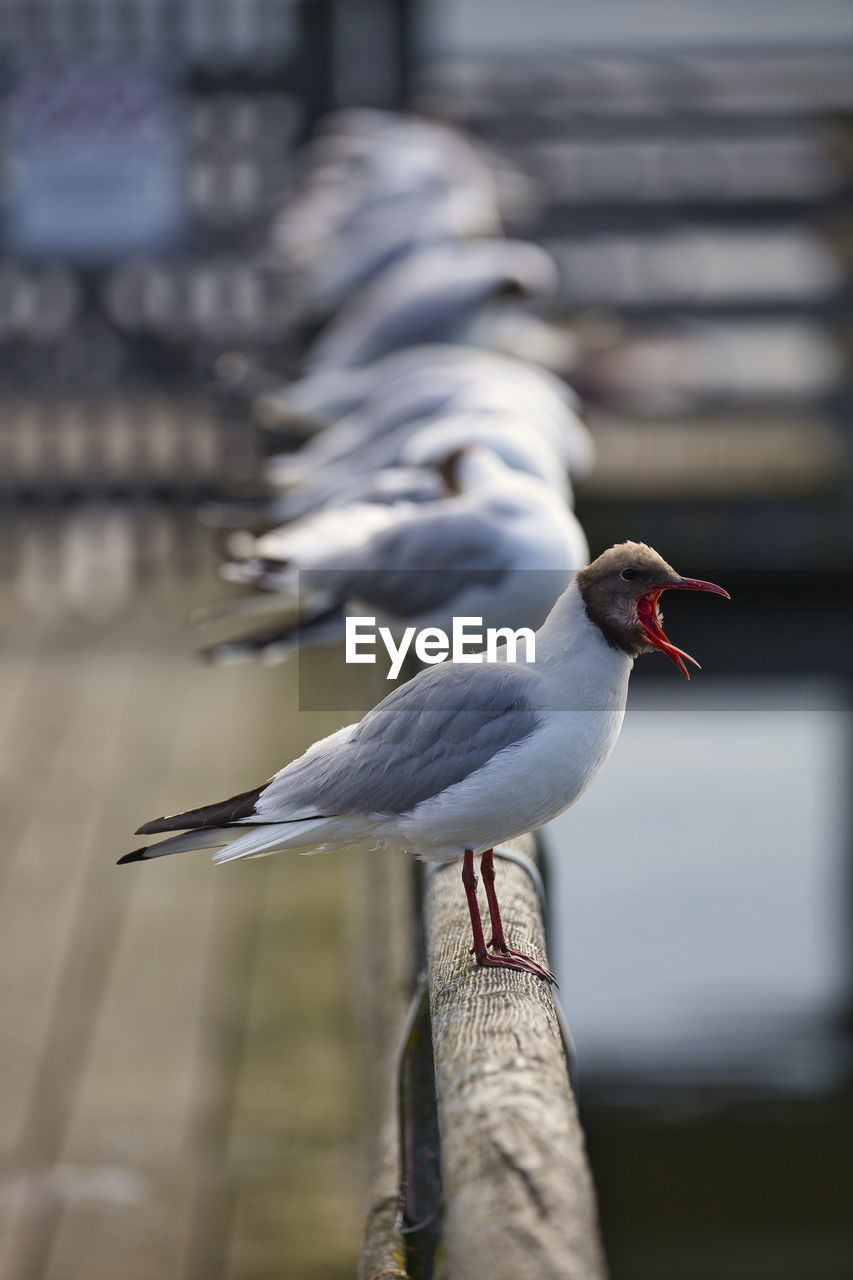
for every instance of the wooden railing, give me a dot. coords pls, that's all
(482, 1167)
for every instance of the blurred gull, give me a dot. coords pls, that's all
(405, 381)
(458, 293)
(534, 452)
(399, 467)
(413, 476)
(525, 413)
(374, 187)
(374, 435)
(501, 548)
(417, 483)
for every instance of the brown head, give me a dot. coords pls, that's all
(448, 468)
(621, 590)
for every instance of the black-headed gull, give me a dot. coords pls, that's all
(373, 186)
(464, 757)
(421, 482)
(463, 292)
(320, 398)
(523, 441)
(411, 416)
(501, 549)
(371, 438)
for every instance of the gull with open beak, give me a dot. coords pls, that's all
(465, 756)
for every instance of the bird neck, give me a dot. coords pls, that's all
(574, 647)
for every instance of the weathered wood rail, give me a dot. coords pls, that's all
(493, 1176)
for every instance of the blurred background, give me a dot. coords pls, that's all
(182, 1085)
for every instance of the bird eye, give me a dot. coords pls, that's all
(628, 574)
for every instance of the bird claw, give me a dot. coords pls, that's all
(509, 959)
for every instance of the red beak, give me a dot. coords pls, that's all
(647, 613)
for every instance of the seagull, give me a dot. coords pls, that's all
(523, 441)
(381, 231)
(406, 466)
(376, 435)
(453, 292)
(419, 482)
(375, 185)
(464, 756)
(501, 548)
(321, 397)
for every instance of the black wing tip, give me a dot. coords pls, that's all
(138, 855)
(153, 827)
(221, 814)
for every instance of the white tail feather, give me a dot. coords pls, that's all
(269, 838)
(206, 838)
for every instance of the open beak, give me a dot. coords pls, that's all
(647, 613)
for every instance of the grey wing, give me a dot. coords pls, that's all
(427, 298)
(421, 564)
(372, 425)
(360, 337)
(424, 737)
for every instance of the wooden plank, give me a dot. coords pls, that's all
(139, 1100)
(44, 881)
(299, 1090)
(518, 1196)
(36, 704)
(134, 1230)
(298, 1025)
(131, 1108)
(85, 1222)
(384, 946)
(234, 926)
(45, 896)
(15, 1196)
(160, 1083)
(295, 1215)
(297, 1093)
(133, 1098)
(174, 1099)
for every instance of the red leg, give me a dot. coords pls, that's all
(469, 880)
(506, 957)
(487, 866)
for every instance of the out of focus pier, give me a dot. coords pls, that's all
(178, 1097)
